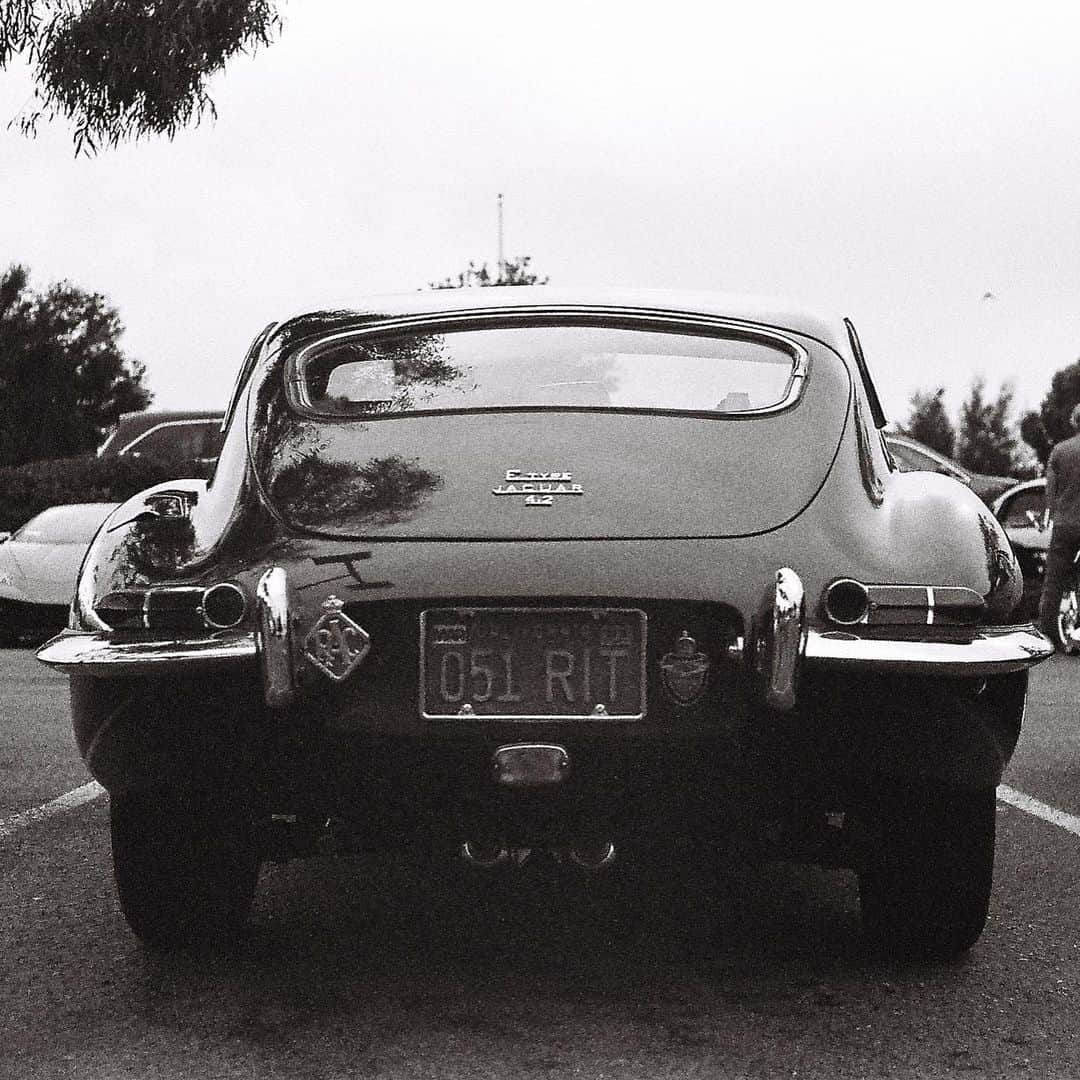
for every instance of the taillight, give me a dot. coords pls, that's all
(175, 607)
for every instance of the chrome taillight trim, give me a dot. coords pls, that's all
(154, 605)
(224, 586)
(849, 585)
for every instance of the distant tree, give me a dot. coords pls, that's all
(1050, 424)
(986, 440)
(63, 377)
(120, 69)
(1034, 434)
(929, 422)
(514, 272)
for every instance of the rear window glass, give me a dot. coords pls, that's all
(181, 440)
(599, 367)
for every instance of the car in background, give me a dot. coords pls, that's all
(577, 577)
(911, 455)
(39, 563)
(1021, 513)
(188, 438)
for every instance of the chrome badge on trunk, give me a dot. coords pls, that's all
(335, 644)
(538, 488)
(685, 671)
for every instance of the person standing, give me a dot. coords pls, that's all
(1063, 508)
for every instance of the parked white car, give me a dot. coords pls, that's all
(38, 566)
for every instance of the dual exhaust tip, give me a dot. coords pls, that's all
(487, 855)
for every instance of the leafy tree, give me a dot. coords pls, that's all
(986, 442)
(929, 422)
(514, 272)
(63, 376)
(1050, 424)
(120, 69)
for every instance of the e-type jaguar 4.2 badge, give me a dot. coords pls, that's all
(538, 488)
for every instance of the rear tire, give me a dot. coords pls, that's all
(185, 871)
(930, 894)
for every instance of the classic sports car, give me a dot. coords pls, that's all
(38, 566)
(525, 571)
(1020, 512)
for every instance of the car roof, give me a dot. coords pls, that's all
(134, 425)
(757, 310)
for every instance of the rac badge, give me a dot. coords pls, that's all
(336, 644)
(685, 671)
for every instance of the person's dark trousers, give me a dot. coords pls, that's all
(1064, 544)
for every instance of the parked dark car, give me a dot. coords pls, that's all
(1021, 512)
(38, 566)
(910, 455)
(586, 574)
(189, 438)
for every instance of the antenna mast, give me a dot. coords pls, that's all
(501, 264)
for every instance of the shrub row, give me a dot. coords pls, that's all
(26, 490)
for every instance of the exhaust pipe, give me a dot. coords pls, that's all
(485, 855)
(593, 856)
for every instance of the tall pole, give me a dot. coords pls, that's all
(500, 278)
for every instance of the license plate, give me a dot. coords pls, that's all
(532, 663)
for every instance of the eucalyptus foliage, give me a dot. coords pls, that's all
(513, 272)
(122, 69)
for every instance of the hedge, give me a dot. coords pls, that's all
(26, 490)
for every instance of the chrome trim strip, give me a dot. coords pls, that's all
(98, 654)
(993, 650)
(467, 317)
(274, 638)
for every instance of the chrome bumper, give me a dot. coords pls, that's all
(96, 654)
(994, 650)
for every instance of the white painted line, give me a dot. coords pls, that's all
(1068, 822)
(87, 793)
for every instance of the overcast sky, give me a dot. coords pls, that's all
(894, 168)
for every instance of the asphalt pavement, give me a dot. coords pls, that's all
(399, 969)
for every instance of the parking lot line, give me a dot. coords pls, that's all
(1068, 822)
(93, 790)
(68, 801)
